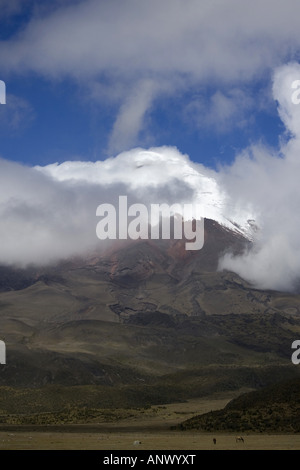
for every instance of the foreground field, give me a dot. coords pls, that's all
(151, 427)
(149, 441)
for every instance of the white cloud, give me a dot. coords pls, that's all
(223, 41)
(49, 213)
(130, 118)
(221, 111)
(283, 92)
(132, 43)
(269, 182)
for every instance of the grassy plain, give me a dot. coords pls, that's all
(150, 426)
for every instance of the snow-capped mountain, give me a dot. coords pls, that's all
(161, 173)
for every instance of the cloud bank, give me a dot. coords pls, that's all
(269, 182)
(49, 213)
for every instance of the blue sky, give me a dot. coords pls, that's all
(58, 111)
(56, 124)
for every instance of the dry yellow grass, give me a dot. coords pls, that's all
(149, 441)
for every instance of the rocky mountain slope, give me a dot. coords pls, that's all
(146, 322)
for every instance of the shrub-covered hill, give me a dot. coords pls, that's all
(275, 408)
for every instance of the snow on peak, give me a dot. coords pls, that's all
(155, 169)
